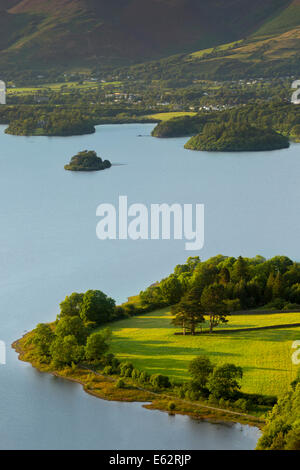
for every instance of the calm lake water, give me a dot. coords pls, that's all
(48, 249)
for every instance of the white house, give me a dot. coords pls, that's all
(2, 92)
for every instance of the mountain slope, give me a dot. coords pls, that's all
(284, 20)
(39, 33)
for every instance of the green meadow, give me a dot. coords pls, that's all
(169, 115)
(61, 86)
(149, 342)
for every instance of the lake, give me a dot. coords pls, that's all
(49, 248)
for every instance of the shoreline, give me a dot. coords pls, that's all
(103, 387)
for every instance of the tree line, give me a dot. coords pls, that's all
(212, 289)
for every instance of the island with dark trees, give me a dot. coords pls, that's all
(53, 124)
(234, 137)
(87, 160)
(251, 127)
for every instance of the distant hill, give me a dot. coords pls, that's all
(272, 50)
(43, 33)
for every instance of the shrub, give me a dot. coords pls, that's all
(127, 372)
(222, 403)
(192, 395)
(290, 306)
(241, 404)
(107, 359)
(159, 381)
(120, 384)
(227, 404)
(89, 385)
(144, 377)
(212, 400)
(135, 374)
(124, 366)
(171, 406)
(108, 370)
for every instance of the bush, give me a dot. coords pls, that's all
(144, 377)
(241, 404)
(120, 384)
(108, 359)
(135, 374)
(91, 378)
(124, 366)
(171, 406)
(222, 403)
(127, 372)
(192, 395)
(89, 385)
(159, 381)
(212, 400)
(108, 370)
(277, 304)
(290, 306)
(228, 404)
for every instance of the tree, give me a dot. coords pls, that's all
(278, 287)
(280, 264)
(71, 305)
(282, 430)
(223, 382)
(224, 276)
(200, 369)
(72, 326)
(171, 290)
(240, 270)
(66, 350)
(188, 314)
(43, 338)
(96, 307)
(269, 287)
(159, 381)
(212, 301)
(97, 345)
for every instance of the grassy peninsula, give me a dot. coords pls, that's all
(212, 340)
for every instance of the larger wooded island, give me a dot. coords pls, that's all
(237, 138)
(253, 127)
(53, 124)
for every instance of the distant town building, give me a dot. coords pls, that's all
(2, 92)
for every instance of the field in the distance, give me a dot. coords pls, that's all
(265, 356)
(169, 115)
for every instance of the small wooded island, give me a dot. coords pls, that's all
(234, 137)
(87, 161)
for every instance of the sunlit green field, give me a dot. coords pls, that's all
(56, 87)
(222, 47)
(265, 356)
(167, 116)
